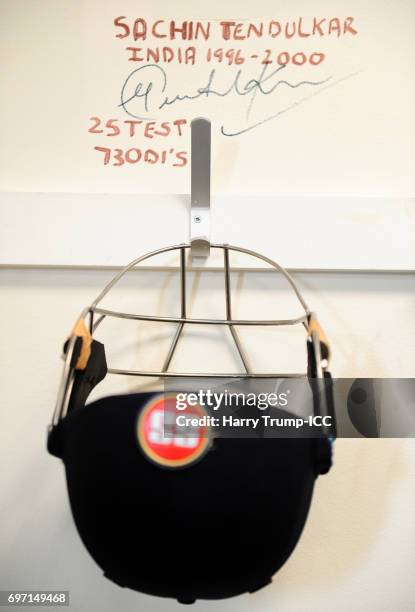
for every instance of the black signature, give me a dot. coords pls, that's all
(144, 91)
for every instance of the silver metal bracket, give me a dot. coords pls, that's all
(200, 188)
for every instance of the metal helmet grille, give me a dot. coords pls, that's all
(96, 314)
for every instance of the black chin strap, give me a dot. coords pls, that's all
(83, 383)
(86, 380)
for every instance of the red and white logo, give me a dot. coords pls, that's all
(163, 440)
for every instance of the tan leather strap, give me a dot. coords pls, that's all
(80, 330)
(314, 326)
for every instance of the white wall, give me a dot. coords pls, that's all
(357, 550)
(356, 137)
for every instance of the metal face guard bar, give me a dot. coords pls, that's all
(77, 350)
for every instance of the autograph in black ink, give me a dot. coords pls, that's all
(145, 89)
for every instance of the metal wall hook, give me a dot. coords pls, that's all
(200, 188)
